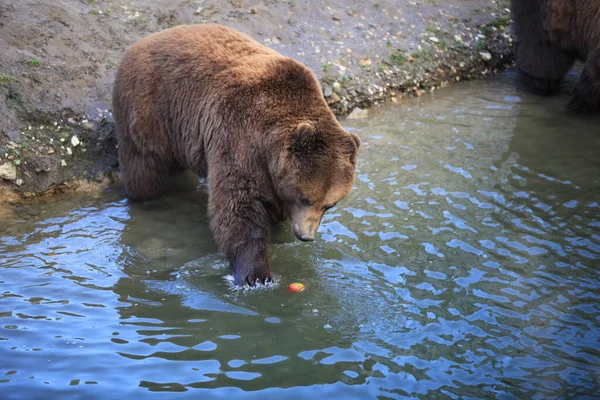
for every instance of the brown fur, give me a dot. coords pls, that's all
(210, 99)
(550, 36)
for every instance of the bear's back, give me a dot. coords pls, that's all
(209, 53)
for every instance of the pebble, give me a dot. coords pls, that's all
(75, 141)
(8, 171)
(14, 136)
(358, 113)
(485, 55)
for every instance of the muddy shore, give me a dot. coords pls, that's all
(59, 58)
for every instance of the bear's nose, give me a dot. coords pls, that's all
(304, 233)
(306, 237)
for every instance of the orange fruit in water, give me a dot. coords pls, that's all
(295, 287)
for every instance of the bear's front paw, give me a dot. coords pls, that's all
(252, 277)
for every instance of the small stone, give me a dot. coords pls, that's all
(434, 39)
(336, 18)
(334, 98)
(253, 11)
(8, 171)
(19, 182)
(63, 163)
(485, 56)
(365, 61)
(336, 86)
(358, 113)
(15, 136)
(51, 151)
(75, 141)
(69, 152)
(327, 91)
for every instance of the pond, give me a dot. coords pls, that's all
(464, 264)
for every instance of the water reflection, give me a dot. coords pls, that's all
(463, 264)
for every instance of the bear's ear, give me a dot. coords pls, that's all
(306, 140)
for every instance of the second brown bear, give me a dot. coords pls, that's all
(550, 36)
(210, 99)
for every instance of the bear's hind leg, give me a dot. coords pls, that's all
(541, 64)
(143, 173)
(586, 97)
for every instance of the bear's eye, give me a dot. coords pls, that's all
(331, 206)
(305, 202)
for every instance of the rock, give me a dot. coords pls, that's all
(337, 86)
(485, 55)
(327, 91)
(334, 98)
(358, 113)
(434, 39)
(14, 136)
(8, 171)
(19, 182)
(63, 163)
(75, 141)
(253, 11)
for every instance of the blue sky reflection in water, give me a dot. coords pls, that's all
(463, 265)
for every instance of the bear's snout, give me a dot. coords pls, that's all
(306, 230)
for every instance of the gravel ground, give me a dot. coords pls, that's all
(59, 59)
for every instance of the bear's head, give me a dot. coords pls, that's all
(315, 172)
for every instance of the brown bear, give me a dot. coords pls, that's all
(550, 36)
(255, 123)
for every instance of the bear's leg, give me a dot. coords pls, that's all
(542, 65)
(240, 223)
(144, 173)
(586, 97)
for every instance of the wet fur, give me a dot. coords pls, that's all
(550, 36)
(209, 99)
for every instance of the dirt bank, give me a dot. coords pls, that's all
(59, 59)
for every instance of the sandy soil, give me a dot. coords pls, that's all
(59, 59)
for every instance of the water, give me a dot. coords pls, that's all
(464, 264)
